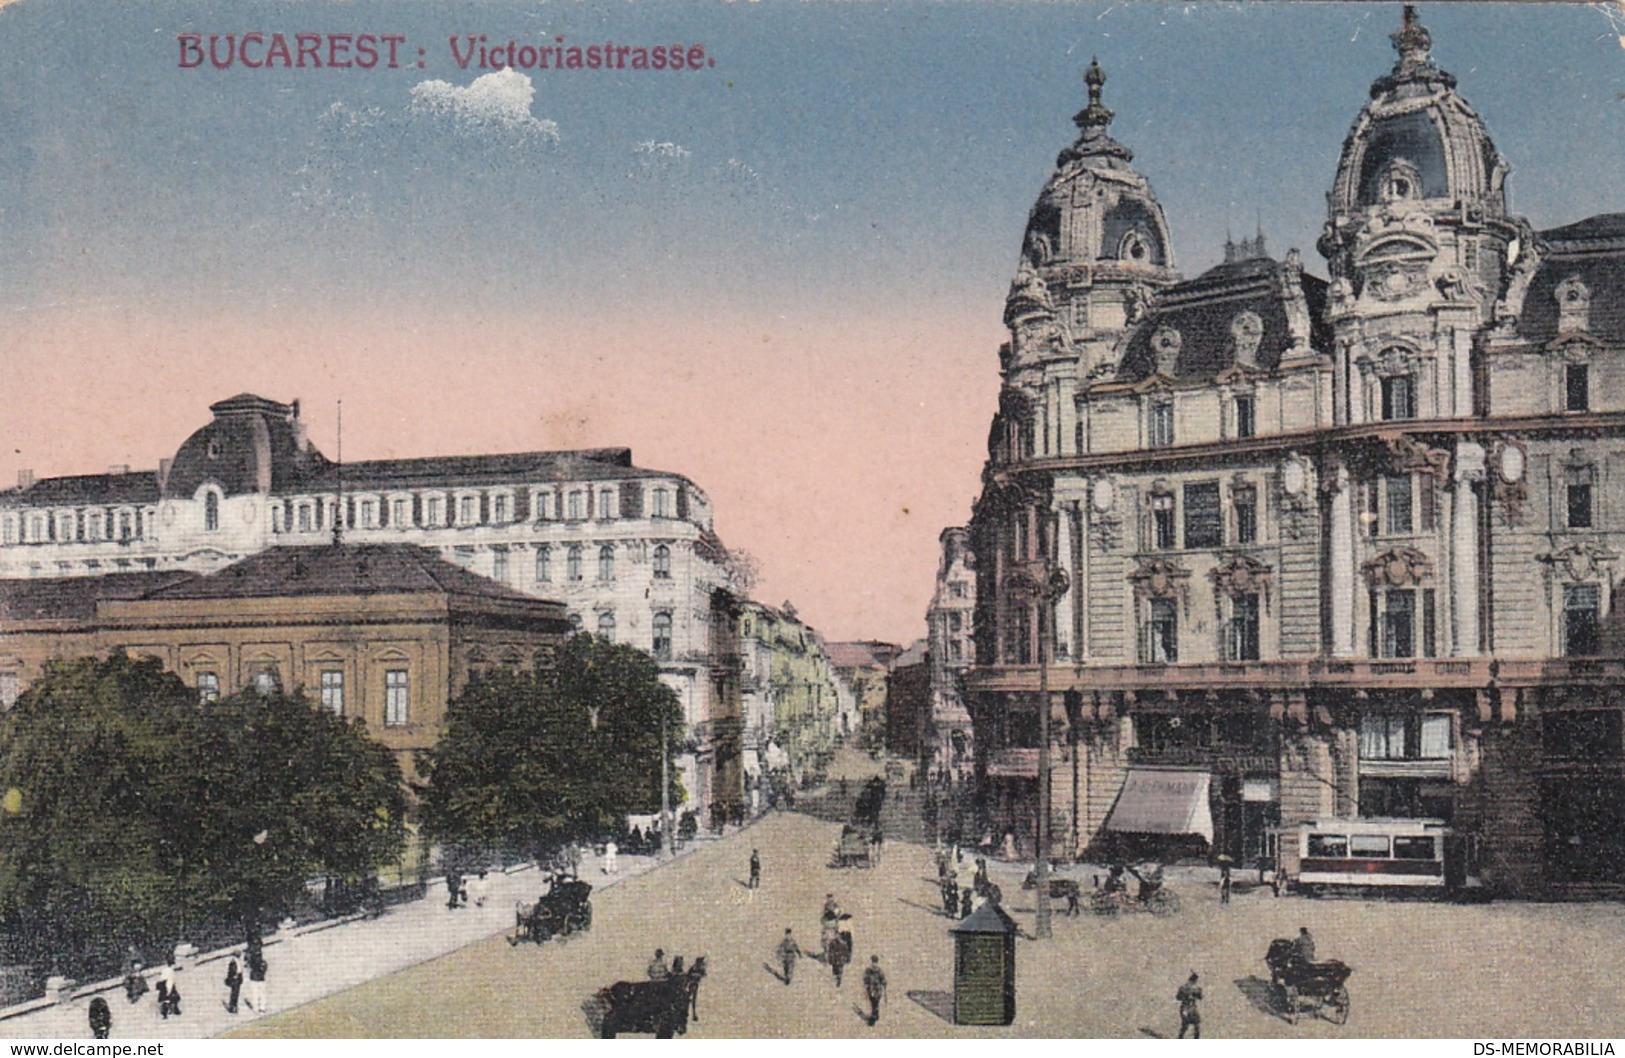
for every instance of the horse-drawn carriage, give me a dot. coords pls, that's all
(1059, 889)
(562, 910)
(859, 846)
(659, 1007)
(1151, 895)
(1295, 979)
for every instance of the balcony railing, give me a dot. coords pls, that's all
(1265, 675)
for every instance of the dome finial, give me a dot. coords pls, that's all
(1093, 118)
(1412, 41)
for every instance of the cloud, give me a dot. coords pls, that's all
(496, 103)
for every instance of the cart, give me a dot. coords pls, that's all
(564, 909)
(856, 847)
(1295, 979)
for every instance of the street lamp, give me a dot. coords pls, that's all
(1043, 581)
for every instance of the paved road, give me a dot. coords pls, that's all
(1422, 969)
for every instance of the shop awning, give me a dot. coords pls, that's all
(1155, 801)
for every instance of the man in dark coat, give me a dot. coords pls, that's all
(788, 951)
(874, 987)
(1189, 994)
(234, 986)
(755, 869)
(101, 1018)
(658, 970)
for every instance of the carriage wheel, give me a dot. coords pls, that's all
(1291, 1005)
(1165, 904)
(1340, 1005)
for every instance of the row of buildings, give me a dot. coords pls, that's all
(1340, 547)
(381, 586)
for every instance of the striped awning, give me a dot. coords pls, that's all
(1163, 801)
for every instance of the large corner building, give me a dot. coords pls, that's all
(1328, 548)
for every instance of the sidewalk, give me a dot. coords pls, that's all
(316, 961)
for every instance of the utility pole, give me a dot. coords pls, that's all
(665, 782)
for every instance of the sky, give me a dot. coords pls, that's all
(780, 273)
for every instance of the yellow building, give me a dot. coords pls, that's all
(388, 633)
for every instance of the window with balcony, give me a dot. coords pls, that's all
(662, 636)
(1159, 431)
(397, 699)
(332, 689)
(1204, 525)
(1245, 501)
(1577, 387)
(662, 562)
(1424, 736)
(1245, 425)
(1241, 633)
(1162, 521)
(1582, 620)
(1161, 637)
(1398, 398)
(1577, 506)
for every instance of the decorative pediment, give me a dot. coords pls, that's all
(1393, 361)
(1165, 345)
(1581, 561)
(1398, 567)
(1246, 332)
(1242, 575)
(1407, 455)
(1159, 578)
(1573, 305)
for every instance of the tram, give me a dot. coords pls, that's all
(1390, 855)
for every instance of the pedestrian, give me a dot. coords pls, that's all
(101, 1018)
(257, 969)
(135, 983)
(1304, 946)
(789, 951)
(950, 897)
(454, 890)
(840, 953)
(166, 983)
(979, 880)
(1224, 883)
(966, 903)
(234, 986)
(612, 856)
(874, 986)
(677, 966)
(658, 970)
(1189, 994)
(755, 870)
(1277, 880)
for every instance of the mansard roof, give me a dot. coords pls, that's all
(75, 598)
(130, 488)
(1593, 252)
(593, 464)
(344, 569)
(1203, 310)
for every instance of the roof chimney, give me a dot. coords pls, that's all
(25, 479)
(163, 472)
(118, 470)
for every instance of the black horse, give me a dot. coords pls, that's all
(658, 1007)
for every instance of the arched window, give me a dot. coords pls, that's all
(606, 562)
(544, 564)
(662, 636)
(575, 622)
(211, 511)
(606, 625)
(662, 562)
(572, 562)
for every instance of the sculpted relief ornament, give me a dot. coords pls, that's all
(1166, 343)
(1159, 578)
(1509, 460)
(1247, 330)
(1579, 562)
(1398, 567)
(1407, 455)
(1242, 575)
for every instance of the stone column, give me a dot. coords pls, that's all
(1060, 614)
(1469, 470)
(1341, 560)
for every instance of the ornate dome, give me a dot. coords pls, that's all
(1418, 140)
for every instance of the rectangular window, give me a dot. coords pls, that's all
(208, 687)
(266, 682)
(369, 514)
(1162, 633)
(578, 506)
(468, 510)
(499, 565)
(1430, 642)
(1162, 521)
(499, 510)
(1328, 846)
(1243, 632)
(1398, 623)
(1413, 848)
(1397, 494)
(1582, 626)
(1160, 425)
(1382, 737)
(1368, 846)
(333, 691)
(542, 504)
(1204, 525)
(662, 504)
(606, 504)
(544, 564)
(1398, 398)
(1427, 506)
(396, 708)
(1435, 737)
(1246, 503)
(400, 515)
(1579, 500)
(1577, 388)
(1245, 427)
(9, 684)
(304, 517)
(431, 510)
(10, 531)
(93, 527)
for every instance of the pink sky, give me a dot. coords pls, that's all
(833, 450)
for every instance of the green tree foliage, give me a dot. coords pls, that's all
(132, 814)
(536, 762)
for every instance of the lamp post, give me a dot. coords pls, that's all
(1041, 580)
(665, 781)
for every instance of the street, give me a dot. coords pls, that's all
(1420, 969)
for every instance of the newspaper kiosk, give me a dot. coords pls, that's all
(985, 968)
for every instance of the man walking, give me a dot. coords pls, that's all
(1224, 882)
(755, 869)
(789, 952)
(257, 968)
(234, 986)
(874, 986)
(1189, 994)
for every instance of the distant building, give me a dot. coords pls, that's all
(951, 628)
(385, 633)
(792, 706)
(630, 552)
(1331, 548)
(908, 704)
(861, 666)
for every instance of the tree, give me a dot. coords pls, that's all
(538, 762)
(133, 814)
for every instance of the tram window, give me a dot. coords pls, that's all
(1329, 846)
(1369, 846)
(1414, 849)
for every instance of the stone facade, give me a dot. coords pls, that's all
(1347, 545)
(630, 552)
(792, 706)
(950, 630)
